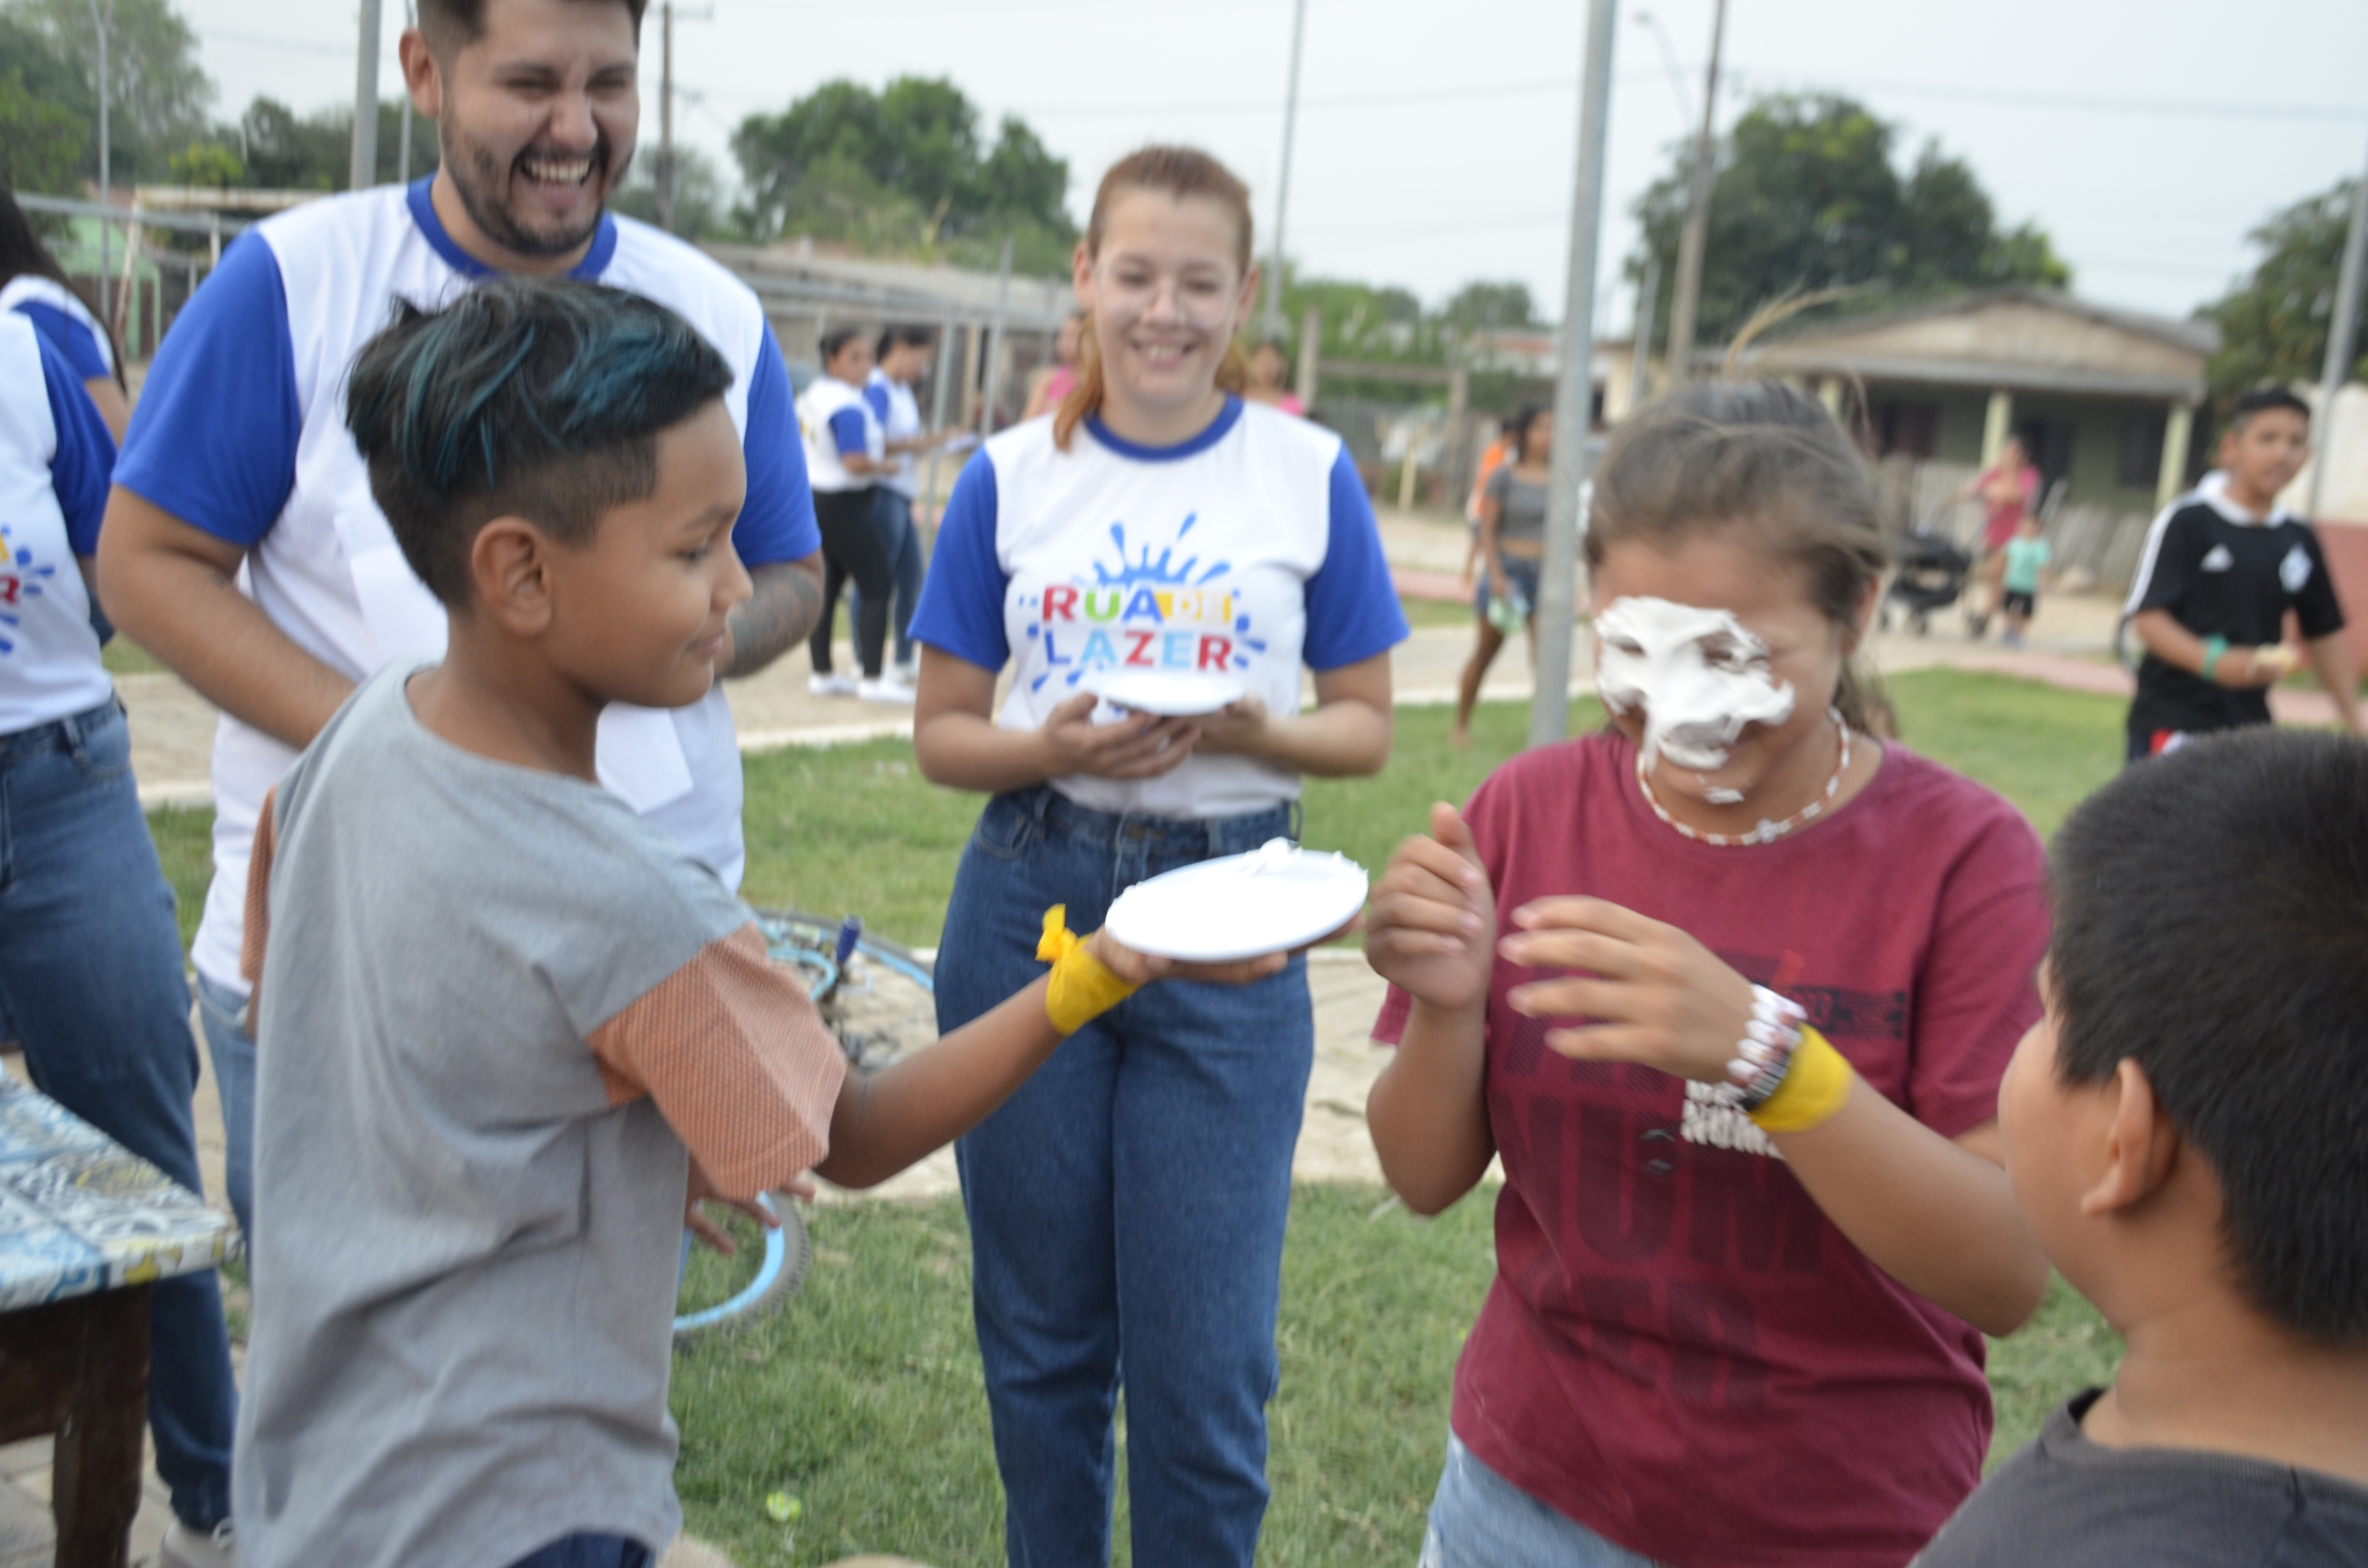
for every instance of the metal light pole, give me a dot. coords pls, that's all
(1273, 326)
(101, 24)
(662, 178)
(1549, 708)
(403, 155)
(2341, 340)
(363, 171)
(1687, 303)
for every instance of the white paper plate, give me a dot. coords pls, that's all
(1267, 901)
(1171, 694)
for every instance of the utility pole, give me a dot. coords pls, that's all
(1282, 190)
(403, 155)
(1550, 706)
(363, 172)
(107, 196)
(663, 176)
(2341, 339)
(1641, 349)
(1687, 303)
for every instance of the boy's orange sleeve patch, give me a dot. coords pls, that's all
(739, 1062)
(258, 932)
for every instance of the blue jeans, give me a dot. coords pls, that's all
(892, 512)
(231, 1049)
(1126, 1205)
(1481, 1520)
(92, 987)
(1521, 573)
(588, 1551)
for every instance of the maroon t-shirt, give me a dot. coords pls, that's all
(1679, 1351)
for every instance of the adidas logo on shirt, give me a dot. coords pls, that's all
(2295, 570)
(2219, 560)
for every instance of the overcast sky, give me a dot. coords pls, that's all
(1437, 137)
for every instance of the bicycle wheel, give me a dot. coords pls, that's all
(879, 1002)
(780, 1274)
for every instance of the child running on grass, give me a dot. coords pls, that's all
(2188, 1135)
(1729, 986)
(496, 1006)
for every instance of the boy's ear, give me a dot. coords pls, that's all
(509, 568)
(2141, 1146)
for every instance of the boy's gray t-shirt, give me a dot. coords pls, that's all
(488, 998)
(2064, 1501)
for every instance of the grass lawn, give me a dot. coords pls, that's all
(862, 1399)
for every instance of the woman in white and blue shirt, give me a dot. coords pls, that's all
(1127, 1203)
(33, 285)
(846, 459)
(91, 976)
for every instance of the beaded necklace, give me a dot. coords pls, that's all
(1767, 832)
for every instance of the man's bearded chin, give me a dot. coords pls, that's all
(483, 185)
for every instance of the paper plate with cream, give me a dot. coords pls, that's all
(1269, 900)
(1170, 693)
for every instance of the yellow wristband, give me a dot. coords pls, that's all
(1816, 1083)
(1083, 988)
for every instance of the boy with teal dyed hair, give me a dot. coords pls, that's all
(507, 1032)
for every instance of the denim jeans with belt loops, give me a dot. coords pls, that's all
(1126, 1205)
(92, 987)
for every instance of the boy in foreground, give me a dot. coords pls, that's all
(2187, 1132)
(497, 1007)
(2221, 568)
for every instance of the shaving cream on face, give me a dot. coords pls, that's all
(1697, 676)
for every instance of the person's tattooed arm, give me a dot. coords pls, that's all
(777, 617)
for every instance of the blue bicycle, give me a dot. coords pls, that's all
(878, 1001)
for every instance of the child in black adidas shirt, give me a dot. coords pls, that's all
(2223, 564)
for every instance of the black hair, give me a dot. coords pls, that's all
(2259, 401)
(532, 398)
(22, 255)
(919, 337)
(464, 21)
(831, 342)
(2211, 924)
(1518, 427)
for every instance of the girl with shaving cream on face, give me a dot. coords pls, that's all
(1729, 986)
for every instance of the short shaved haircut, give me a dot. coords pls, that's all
(456, 24)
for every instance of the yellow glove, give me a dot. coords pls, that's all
(1083, 988)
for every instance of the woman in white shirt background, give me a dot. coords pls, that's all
(846, 459)
(1127, 1203)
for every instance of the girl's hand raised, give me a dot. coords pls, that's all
(1432, 929)
(1136, 746)
(1659, 997)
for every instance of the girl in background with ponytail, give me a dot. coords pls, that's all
(1729, 986)
(1126, 1206)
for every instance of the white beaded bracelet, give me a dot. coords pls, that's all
(1766, 1051)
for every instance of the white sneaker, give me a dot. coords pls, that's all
(186, 1547)
(886, 689)
(909, 671)
(830, 685)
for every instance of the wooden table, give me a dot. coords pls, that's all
(85, 1229)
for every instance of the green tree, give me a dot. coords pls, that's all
(903, 170)
(43, 144)
(1807, 196)
(700, 208)
(207, 163)
(158, 91)
(1480, 306)
(286, 151)
(2274, 324)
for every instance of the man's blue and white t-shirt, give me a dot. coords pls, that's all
(1250, 548)
(898, 412)
(63, 320)
(837, 421)
(241, 432)
(55, 457)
